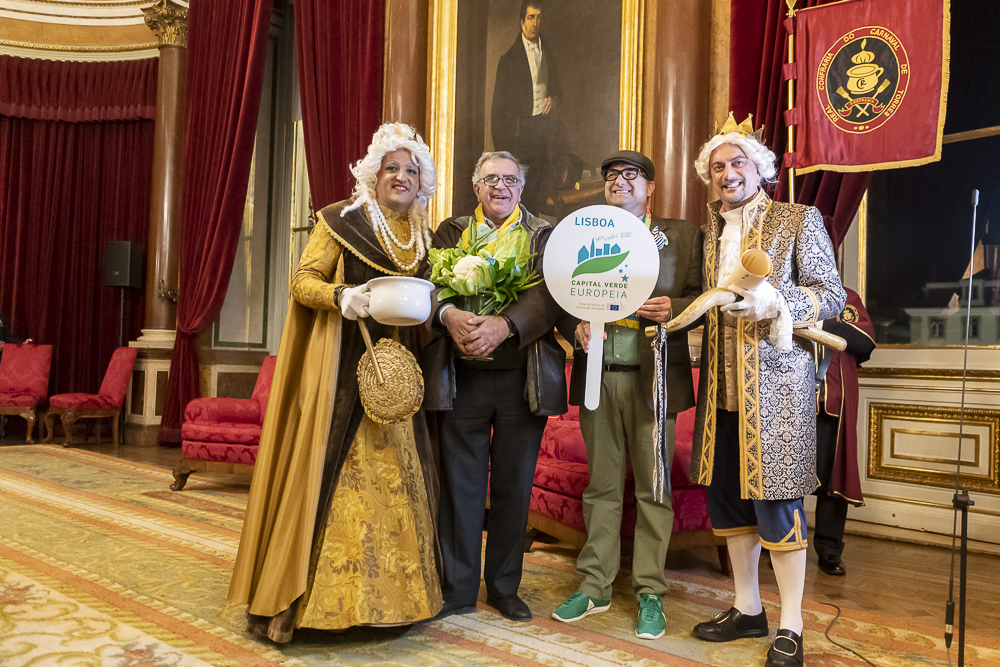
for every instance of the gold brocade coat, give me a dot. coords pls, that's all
(777, 391)
(303, 440)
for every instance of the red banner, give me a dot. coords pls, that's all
(872, 84)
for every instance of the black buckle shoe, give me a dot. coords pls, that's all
(732, 624)
(511, 607)
(785, 651)
(832, 565)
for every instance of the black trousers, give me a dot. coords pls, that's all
(831, 510)
(489, 438)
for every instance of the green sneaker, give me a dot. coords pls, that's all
(579, 605)
(651, 623)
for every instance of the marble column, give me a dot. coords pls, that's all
(404, 95)
(144, 401)
(682, 90)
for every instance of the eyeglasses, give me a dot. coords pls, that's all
(493, 180)
(629, 174)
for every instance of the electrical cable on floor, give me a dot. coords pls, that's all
(827, 634)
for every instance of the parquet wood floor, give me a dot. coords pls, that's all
(896, 579)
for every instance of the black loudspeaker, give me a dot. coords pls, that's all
(122, 264)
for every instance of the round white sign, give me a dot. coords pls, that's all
(600, 264)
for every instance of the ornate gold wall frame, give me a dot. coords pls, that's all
(879, 413)
(441, 84)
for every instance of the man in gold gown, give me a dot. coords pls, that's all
(339, 529)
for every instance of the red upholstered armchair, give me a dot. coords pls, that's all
(107, 402)
(24, 380)
(222, 434)
(561, 477)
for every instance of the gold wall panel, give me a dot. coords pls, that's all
(922, 418)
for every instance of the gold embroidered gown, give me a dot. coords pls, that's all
(374, 562)
(372, 558)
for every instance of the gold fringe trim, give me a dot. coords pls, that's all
(748, 356)
(707, 459)
(325, 226)
(899, 164)
(793, 541)
(730, 532)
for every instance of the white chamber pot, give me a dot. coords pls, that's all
(400, 301)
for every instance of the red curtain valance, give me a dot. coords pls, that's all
(78, 91)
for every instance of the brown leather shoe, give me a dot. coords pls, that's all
(785, 651)
(732, 624)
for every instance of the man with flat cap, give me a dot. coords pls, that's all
(622, 426)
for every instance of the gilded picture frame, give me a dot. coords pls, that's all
(446, 58)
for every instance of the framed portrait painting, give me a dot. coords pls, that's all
(557, 83)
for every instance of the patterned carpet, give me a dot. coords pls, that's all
(102, 566)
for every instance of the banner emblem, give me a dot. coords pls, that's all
(862, 79)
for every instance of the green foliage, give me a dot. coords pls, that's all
(501, 274)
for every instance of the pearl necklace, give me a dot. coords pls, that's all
(382, 227)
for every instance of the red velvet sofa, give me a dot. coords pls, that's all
(561, 477)
(222, 434)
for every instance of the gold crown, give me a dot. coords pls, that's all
(745, 128)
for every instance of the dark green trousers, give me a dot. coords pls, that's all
(622, 426)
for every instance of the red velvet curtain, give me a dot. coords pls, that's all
(76, 157)
(227, 49)
(758, 47)
(339, 50)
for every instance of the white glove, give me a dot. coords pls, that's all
(761, 303)
(354, 301)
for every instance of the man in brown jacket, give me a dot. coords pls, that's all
(482, 377)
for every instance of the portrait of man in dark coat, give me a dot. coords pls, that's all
(526, 96)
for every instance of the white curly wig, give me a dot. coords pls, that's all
(763, 158)
(388, 138)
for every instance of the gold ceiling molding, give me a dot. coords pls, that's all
(80, 30)
(92, 3)
(79, 53)
(168, 21)
(80, 49)
(79, 12)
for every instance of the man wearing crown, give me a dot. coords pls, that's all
(755, 427)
